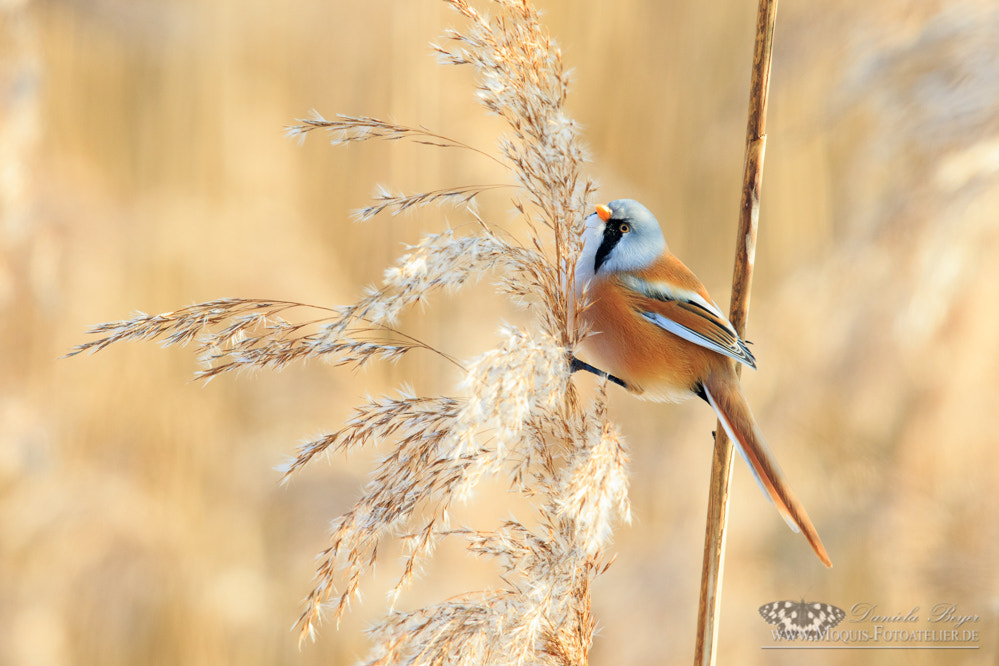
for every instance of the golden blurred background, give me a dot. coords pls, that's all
(143, 166)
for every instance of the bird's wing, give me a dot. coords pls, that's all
(686, 314)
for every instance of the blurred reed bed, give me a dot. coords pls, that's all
(140, 520)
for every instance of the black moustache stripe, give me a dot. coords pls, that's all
(612, 235)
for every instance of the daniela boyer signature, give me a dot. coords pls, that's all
(940, 613)
(944, 624)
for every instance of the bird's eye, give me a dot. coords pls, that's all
(625, 227)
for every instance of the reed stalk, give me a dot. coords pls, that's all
(712, 570)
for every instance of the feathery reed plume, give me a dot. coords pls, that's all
(517, 415)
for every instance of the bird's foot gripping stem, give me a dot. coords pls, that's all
(576, 364)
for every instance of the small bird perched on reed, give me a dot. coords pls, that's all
(653, 329)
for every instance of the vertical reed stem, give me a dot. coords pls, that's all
(745, 255)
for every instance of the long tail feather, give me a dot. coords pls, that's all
(725, 396)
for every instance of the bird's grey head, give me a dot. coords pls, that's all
(621, 236)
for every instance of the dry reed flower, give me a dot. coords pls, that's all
(518, 415)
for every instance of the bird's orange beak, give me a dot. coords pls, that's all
(604, 212)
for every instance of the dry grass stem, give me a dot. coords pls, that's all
(397, 202)
(349, 129)
(245, 333)
(516, 416)
(742, 279)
